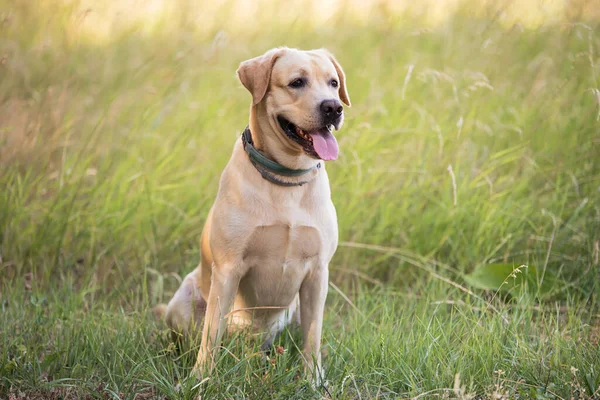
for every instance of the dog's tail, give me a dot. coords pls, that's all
(159, 311)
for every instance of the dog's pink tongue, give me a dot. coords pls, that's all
(325, 144)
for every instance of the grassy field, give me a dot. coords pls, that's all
(472, 149)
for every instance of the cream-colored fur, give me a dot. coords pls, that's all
(265, 247)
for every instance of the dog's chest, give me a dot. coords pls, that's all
(279, 257)
(281, 243)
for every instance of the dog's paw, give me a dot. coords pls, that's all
(203, 368)
(198, 372)
(316, 377)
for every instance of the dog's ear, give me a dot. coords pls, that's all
(255, 74)
(343, 91)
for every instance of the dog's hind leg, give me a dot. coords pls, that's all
(186, 309)
(185, 312)
(278, 321)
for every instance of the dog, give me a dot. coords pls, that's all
(272, 230)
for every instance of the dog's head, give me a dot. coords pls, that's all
(302, 93)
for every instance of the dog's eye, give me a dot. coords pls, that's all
(298, 83)
(334, 83)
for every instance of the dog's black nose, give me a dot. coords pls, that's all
(331, 110)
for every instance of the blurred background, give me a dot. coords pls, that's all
(467, 191)
(473, 136)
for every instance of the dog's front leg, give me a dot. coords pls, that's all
(223, 288)
(313, 293)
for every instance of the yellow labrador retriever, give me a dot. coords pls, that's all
(272, 229)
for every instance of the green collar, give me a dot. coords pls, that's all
(268, 168)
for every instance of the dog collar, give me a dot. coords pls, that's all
(268, 168)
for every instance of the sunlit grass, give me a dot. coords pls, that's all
(471, 140)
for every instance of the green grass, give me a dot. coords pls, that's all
(471, 141)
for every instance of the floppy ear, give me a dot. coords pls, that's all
(255, 74)
(342, 77)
